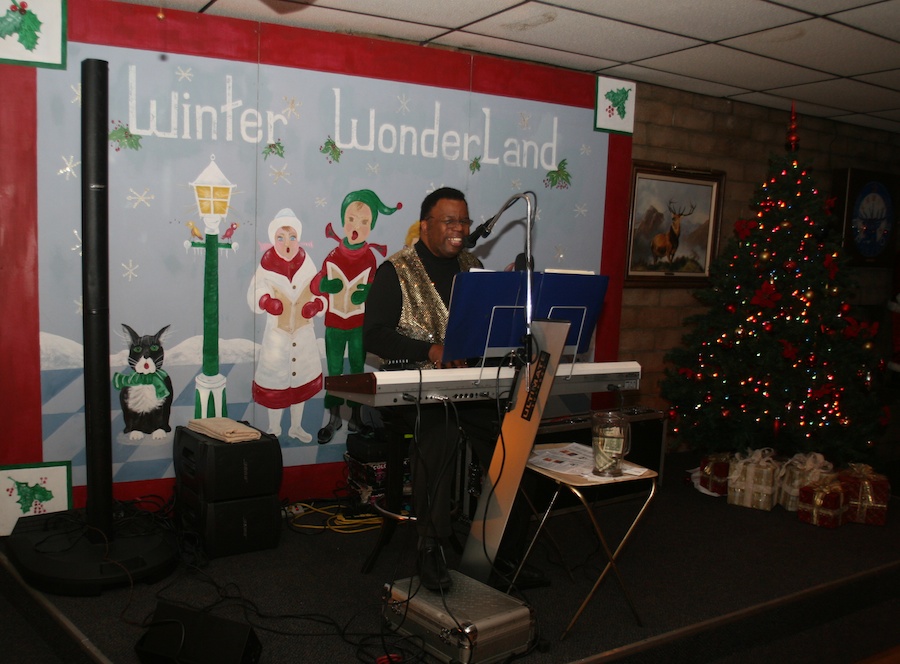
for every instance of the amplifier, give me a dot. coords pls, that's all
(215, 470)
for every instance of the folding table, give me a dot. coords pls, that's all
(560, 463)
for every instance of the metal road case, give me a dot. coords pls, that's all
(471, 623)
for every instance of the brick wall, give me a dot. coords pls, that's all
(698, 132)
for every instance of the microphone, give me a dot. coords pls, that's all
(483, 230)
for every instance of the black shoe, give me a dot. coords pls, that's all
(529, 577)
(326, 433)
(432, 568)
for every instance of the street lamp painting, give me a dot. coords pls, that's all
(212, 193)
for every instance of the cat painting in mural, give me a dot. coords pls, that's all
(146, 392)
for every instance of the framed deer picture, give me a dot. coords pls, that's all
(673, 227)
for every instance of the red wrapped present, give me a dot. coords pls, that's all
(868, 494)
(751, 479)
(823, 504)
(714, 472)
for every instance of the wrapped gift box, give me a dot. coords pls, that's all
(823, 504)
(714, 472)
(751, 479)
(867, 494)
(798, 471)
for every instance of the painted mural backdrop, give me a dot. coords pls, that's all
(303, 155)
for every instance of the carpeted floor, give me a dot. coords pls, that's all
(712, 583)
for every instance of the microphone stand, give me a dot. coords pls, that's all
(485, 229)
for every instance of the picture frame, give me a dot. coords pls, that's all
(866, 205)
(30, 489)
(673, 225)
(36, 34)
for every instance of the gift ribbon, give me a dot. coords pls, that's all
(866, 498)
(822, 491)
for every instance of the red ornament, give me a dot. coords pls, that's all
(767, 326)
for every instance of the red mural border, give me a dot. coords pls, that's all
(135, 26)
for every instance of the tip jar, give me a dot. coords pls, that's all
(611, 440)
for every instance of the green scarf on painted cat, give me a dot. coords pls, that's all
(156, 379)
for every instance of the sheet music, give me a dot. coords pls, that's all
(575, 459)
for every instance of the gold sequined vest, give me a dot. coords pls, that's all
(423, 315)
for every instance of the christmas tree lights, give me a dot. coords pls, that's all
(777, 360)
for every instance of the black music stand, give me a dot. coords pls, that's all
(487, 311)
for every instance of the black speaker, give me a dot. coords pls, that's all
(178, 635)
(227, 527)
(215, 470)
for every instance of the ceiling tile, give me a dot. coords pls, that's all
(824, 7)
(880, 19)
(566, 30)
(327, 20)
(823, 45)
(510, 49)
(710, 20)
(871, 121)
(453, 14)
(886, 79)
(849, 95)
(645, 75)
(784, 103)
(719, 64)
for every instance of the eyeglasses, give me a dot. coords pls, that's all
(450, 221)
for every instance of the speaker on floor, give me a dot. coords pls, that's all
(228, 527)
(179, 634)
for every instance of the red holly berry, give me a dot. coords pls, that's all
(23, 5)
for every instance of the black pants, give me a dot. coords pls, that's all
(439, 431)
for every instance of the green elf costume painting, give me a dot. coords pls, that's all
(344, 280)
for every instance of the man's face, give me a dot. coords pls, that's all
(357, 222)
(287, 241)
(446, 227)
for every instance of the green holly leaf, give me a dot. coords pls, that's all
(123, 138)
(618, 99)
(9, 23)
(28, 494)
(331, 151)
(29, 29)
(560, 178)
(274, 148)
(26, 26)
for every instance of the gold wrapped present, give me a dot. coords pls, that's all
(751, 479)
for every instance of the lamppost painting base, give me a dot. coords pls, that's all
(60, 554)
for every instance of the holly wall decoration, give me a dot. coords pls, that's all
(21, 21)
(121, 137)
(560, 178)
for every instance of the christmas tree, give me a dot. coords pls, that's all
(778, 359)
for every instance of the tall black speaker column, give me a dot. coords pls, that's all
(81, 552)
